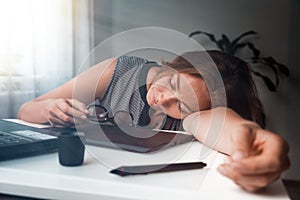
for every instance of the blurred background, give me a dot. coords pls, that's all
(44, 42)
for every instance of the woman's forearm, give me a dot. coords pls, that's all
(34, 111)
(214, 127)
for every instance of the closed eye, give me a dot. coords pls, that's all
(182, 108)
(179, 106)
(173, 84)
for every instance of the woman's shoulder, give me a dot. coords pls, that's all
(131, 60)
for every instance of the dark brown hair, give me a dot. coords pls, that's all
(241, 93)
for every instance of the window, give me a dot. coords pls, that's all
(36, 49)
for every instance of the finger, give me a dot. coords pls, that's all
(257, 182)
(66, 119)
(261, 164)
(53, 121)
(76, 108)
(66, 112)
(78, 105)
(249, 182)
(272, 157)
(70, 120)
(59, 115)
(59, 122)
(242, 139)
(50, 122)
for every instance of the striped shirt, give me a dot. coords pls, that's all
(127, 91)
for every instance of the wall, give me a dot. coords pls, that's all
(293, 89)
(274, 20)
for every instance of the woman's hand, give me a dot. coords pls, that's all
(258, 157)
(66, 112)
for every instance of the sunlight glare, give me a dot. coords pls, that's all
(27, 26)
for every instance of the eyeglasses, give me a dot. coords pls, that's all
(100, 114)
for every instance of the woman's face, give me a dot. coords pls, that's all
(178, 94)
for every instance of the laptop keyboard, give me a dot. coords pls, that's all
(18, 141)
(21, 137)
(33, 135)
(10, 139)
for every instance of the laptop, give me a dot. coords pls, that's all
(132, 139)
(17, 140)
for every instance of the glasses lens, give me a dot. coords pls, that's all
(98, 113)
(123, 118)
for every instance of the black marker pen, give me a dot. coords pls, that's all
(147, 169)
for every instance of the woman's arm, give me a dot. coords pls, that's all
(257, 156)
(67, 102)
(214, 127)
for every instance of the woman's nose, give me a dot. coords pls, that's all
(167, 97)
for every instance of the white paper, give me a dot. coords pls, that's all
(28, 123)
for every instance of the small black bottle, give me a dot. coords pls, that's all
(71, 148)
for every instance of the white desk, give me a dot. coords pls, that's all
(43, 177)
